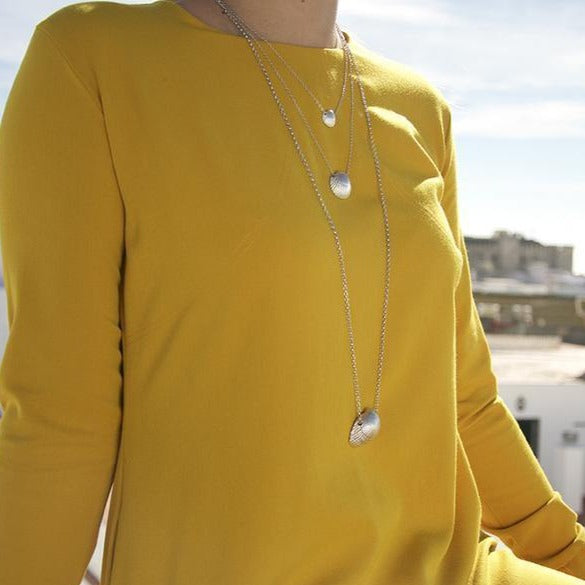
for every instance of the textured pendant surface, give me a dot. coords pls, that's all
(365, 427)
(329, 118)
(340, 184)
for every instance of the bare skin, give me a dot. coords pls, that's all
(300, 22)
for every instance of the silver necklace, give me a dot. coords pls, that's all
(339, 181)
(328, 115)
(366, 424)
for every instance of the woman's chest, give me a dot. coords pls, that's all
(225, 193)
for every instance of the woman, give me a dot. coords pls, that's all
(199, 204)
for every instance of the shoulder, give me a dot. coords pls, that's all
(406, 82)
(409, 92)
(93, 36)
(95, 25)
(80, 19)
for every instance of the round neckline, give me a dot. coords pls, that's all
(194, 20)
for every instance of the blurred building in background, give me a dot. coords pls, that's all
(511, 254)
(524, 287)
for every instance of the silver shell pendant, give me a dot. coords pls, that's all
(329, 118)
(340, 184)
(365, 427)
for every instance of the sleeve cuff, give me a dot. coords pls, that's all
(551, 537)
(576, 564)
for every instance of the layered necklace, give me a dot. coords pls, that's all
(339, 181)
(366, 424)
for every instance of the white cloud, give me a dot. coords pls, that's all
(478, 47)
(545, 119)
(421, 13)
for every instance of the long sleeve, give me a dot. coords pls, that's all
(61, 227)
(519, 505)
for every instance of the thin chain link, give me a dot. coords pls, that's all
(241, 23)
(257, 35)
(330, 221)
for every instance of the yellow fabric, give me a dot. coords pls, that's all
(500, 566)
(177, 325)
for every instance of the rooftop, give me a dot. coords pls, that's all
(536, 359)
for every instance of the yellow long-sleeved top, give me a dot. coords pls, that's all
(177, 324)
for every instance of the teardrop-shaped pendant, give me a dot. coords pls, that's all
(329, 118)
(365, 427)
(340, 184)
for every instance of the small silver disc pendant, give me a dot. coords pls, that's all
(365, 427)
(329, 118)
(340, 184)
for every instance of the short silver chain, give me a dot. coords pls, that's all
(231, 12)
(256, 35)
(382, 197)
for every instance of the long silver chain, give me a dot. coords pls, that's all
(295, 102)
(363, 416)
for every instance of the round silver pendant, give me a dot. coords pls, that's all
(365, 427)
(340, 184)
(329, 118)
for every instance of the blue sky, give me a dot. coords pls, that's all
(514, 74)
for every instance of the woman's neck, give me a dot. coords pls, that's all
(300, 22)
